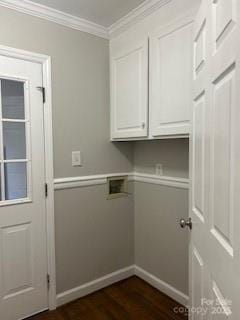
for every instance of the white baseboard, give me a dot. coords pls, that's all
(90, 287)
(162, 286)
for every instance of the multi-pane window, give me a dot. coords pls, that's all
(13, 140)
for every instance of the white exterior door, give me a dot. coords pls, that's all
(23, 252)
(215, 199)
(129, 90)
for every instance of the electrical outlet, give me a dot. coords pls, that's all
(76, 159)
(159, 169)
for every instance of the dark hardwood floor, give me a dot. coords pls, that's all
(131, 299)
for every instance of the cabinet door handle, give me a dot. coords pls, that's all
(143, 125)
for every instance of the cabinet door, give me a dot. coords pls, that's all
(171, 79)
(129, 91)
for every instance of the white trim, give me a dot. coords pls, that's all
(59, 17)
(71, 183)
(181, 183)
(95, 285)
(162, 286)
(84, 181)
(84, 25)
(136, 15)
(48, 132)
(45, 61)
(111, 278)
(150, 138)
(22, 54)
(71, 21)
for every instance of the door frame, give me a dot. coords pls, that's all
(45, 61)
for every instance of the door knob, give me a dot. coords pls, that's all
(186, 223)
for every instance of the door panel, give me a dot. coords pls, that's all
(223, 97)
(221, 309)
(17, 251)
(199, 49)
(171, 69)
(129, 91)
(197, 282)
(224, 19)
(23, 255)
(198, 154)
(215, 185)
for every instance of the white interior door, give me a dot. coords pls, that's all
(23, 255)
(215, 205)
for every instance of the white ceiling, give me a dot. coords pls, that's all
(103, 12)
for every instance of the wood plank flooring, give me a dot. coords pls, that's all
(130, 299)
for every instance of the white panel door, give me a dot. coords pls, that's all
(171, 79)
(23, 256)
(129, 91)
(215, 163)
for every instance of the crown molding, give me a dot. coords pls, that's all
(136, 15)
(59, 17)
(74, 22)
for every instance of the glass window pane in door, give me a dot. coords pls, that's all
(12, 99)
(15, 180)
(14, 140)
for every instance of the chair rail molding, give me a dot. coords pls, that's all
(100, 179)
(181, 183)
(85, 181)
(53, 15)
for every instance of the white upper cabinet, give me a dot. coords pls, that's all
(129, 90)
(171, 80)
(164, 111)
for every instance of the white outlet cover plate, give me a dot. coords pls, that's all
(159, 169)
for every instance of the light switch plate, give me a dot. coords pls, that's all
(76, 159)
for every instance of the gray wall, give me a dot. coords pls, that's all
(171, 153)
(94, 236)
(161, 247)
(100, 241)
(80, 83)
